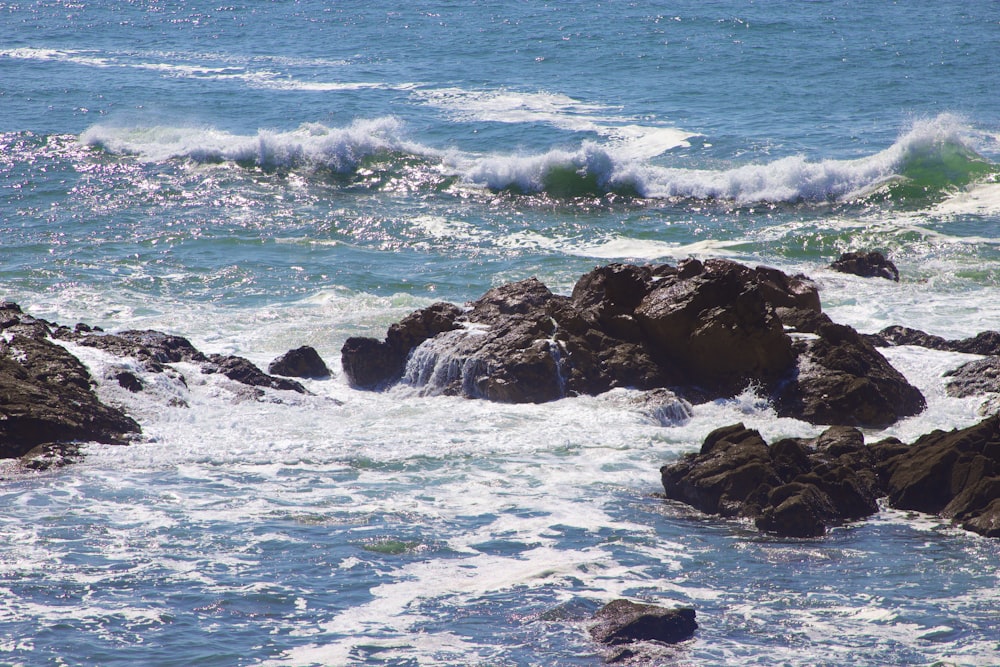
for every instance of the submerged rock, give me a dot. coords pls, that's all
(624, 621)
(867, 265)
(794, 487)
(705, 330)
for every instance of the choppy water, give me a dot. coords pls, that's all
(261, 176)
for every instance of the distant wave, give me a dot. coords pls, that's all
(309, 146)
(933, 158)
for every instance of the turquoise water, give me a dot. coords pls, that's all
(261, 176)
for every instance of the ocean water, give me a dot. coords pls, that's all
(260, 176)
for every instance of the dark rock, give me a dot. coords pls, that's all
(302, 362)
(46, 394)
(981, 376)
(705, 330)
(867, 265)
(795, 488)
(985, 343)
(245, 372)
(842, 379)
(955, 474)
(128, 380)
(373, 364)
(718, 327)
(623, 621)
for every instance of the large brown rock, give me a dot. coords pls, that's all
(46, 394)
(705, 330)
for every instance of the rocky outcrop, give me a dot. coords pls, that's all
(799, 488)
(794, 487)
(704, 330)
(46, 395)
(952, 473)
(302, 362)
(624, 622)
(47, 400)
(985, 343)
(974, 378)
(867, 265)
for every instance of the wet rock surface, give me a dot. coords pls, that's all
(871, 264)
(793, 487)
(302, 362)
(702, 329)
(624, 622)
(955, 474)
(47, 400)
(985, 343)
(801, 487)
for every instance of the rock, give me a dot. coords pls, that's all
(46, 394)
(151, 348)
(373, 364)
(245, 372)
(302, 362)
(704, 330)
(985, 343)
(623, 621)
(867, 265)
(717, 327)
(955, 474)
(842, 379)
(795, 488)
(52, 455)
(981, 376)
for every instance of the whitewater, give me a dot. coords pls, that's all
(260, 177)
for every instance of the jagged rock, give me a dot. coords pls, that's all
(302, 362)
(149, 347)
(867, 265)
(245, 372)
(623, 621)
(703, 329)
(795, 487)
(955, 474)
(985, 343)
(981, 376)
(46, 394)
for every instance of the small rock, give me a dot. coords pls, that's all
(302, 362)
(867, 265)
(624, 621)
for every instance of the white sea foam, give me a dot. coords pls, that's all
(310, 145)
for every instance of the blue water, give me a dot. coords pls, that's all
(261, 176)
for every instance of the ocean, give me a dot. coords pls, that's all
(263, 175)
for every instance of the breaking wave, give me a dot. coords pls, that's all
(934, 158)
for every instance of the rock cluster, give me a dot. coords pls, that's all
(703, 329)
(47, 400)
(799, 488)
(793, 487)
